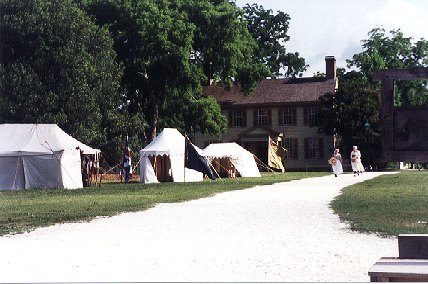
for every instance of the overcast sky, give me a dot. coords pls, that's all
(337, 27)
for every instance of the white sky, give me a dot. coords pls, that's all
(337, 27)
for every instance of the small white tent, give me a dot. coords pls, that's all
(39, 156)
(242, 160)
(166, 153)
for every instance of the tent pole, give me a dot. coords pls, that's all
(97, 163)
(136, 165)
(185, 155)
(16, 172)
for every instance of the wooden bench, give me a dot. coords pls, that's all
(410, 266)
(392, 269)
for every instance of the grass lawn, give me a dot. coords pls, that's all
(28, 209)
(388, 205)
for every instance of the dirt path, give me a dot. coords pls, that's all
(282, 232)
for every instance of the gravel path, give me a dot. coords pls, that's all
(282, 232)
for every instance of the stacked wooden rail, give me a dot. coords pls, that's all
(410, 266)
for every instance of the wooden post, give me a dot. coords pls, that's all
(413, 246)
(386, 117)
(402, 139)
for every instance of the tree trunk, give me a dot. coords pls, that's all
(154, 118)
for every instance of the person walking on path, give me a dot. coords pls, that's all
(357, 166)
(336, 163)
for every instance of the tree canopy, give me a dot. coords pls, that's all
(353, 112)
(271, 34)
(394, 51)
(57, 66)
(170, 49)
(102, 69)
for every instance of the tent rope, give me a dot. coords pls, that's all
(221, 166)
(214, 170)
(134, 167)
(263, 164)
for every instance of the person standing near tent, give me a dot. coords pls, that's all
(357, 166)
(83, 168)
(276, 154)
(127, 162)
(336, 163)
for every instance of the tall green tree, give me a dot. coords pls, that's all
(170, 49)
(223, 46)
(57, 66)
(271, 34)
(357, 101)
(352, 112)
(394, 51)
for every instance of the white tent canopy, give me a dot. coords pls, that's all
(39, 156)
(241, 159)
(170, 143)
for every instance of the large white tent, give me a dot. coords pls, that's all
(170, 144)
(39, 156)
(242, 160)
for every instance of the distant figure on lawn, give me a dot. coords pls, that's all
(336, 163)
(357, 166)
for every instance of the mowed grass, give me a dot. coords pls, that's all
(387, 205)
(26, 210)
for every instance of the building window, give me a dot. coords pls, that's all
(290, 144)
(311, 116)
(262, 117)
(314, 148)
(287, 116)
(237, 118)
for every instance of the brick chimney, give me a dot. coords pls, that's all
(330, 67)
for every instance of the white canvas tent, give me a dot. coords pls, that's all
(39, 156)
(168, 144)
(242, 160)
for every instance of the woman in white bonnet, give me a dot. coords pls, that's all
(357, 166)
(337, 165)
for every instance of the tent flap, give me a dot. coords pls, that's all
(12, 173)
(147, 172)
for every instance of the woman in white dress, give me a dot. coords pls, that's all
(357, 166)
(336, 163)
